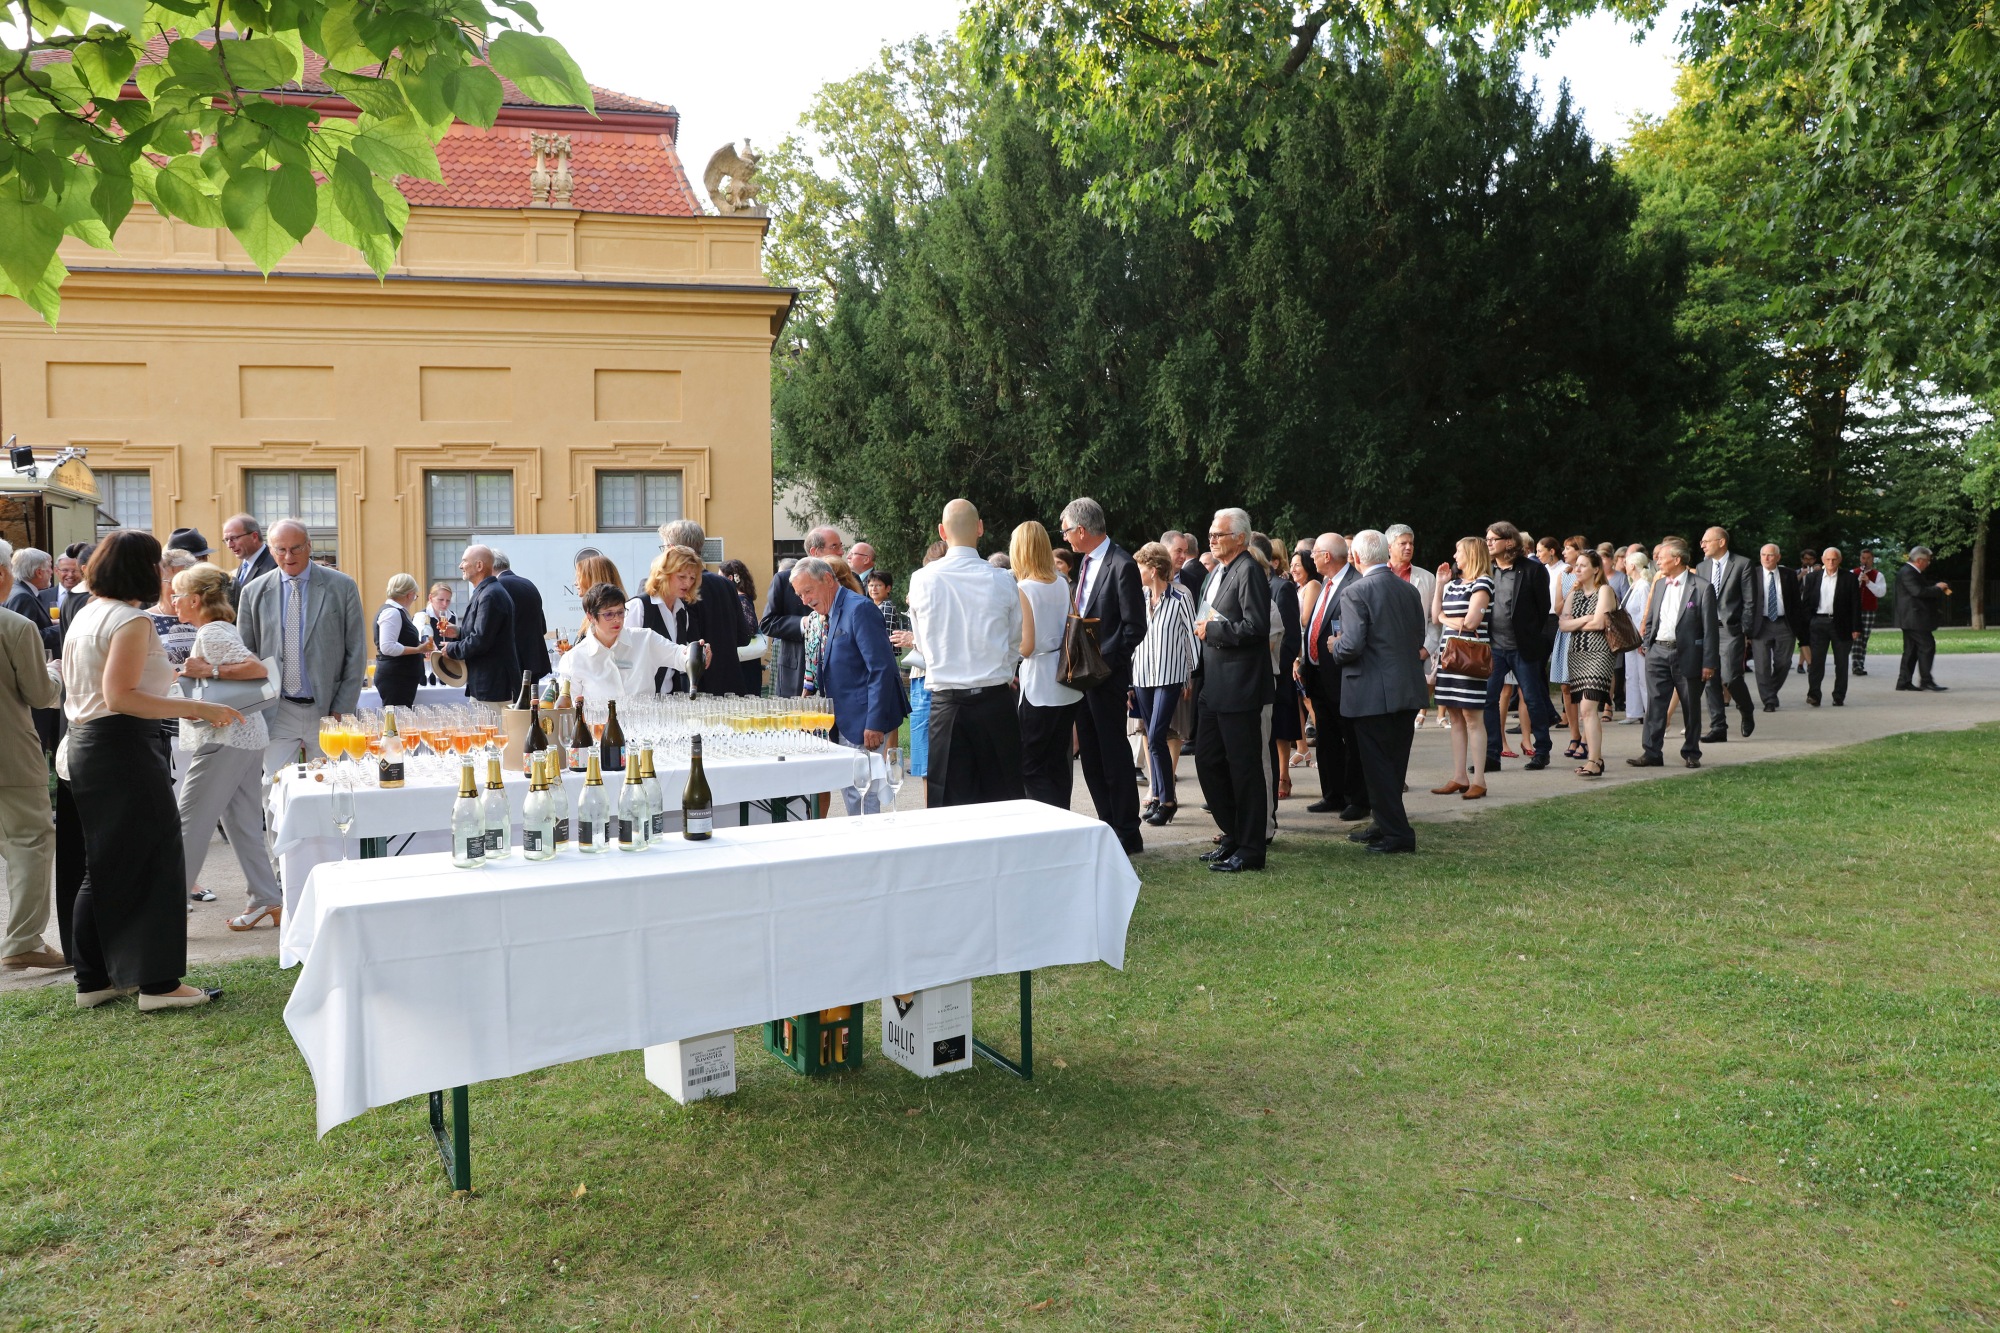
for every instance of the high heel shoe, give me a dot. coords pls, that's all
(1452, 788)
(1163, 813)
(249, 920)
(1472, 793)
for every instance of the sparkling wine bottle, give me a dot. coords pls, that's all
(468, 823)
(538, 813)
(656, 801)
(593, 811)
(389, 770)
(498, 818)
(634, 828)
(611, 746)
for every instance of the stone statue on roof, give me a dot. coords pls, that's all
(731, 180)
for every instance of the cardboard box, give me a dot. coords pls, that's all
(930, 1032)
(690, 1070)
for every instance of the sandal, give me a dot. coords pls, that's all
(1593, 769)
(1300, 760)
(249, 920)
(1576, 750)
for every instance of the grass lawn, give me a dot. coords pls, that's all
(1887, 644)
(1718, 1053)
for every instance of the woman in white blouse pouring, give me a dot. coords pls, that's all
(617, 659)
(1047, 710)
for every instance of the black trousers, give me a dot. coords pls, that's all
(72, 867)
(129, 920)
(1384, 741)
(1824, 643)
(1340, 780)
(1771, 651)
(1665, 679)
(1919, 647)
(1046, 772)
(1229, 764)
(1736, 688)
(975, 747)
(1107, 759)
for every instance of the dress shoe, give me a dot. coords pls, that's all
(1813, 699)
(90, 999)
(1536, 764)
(1222, 853)
(1647, 761)
(1769, 708)
(43, 957)
(1934, 688)
(1749, 721)
(1235, 865)
(1904, 686)
(1492, 766)
(1324, 807)
(1692, 763)
(1392, 848)
(1355, 812)
(1472, 793)
(1838, 702)
(1133, 845)
(1452, 788)
(202, 995)
(1859, 672)
(1716, 737)
(1369, 834)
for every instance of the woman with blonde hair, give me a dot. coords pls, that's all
(673, 585)
(1459, 606)
(594, 569)
(225, 775)
(399, 655)
(1640, 570)
(1047, 709)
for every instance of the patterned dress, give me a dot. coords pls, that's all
(1590, 664)
(1456, 691)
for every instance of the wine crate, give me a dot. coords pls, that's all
(820, 1043)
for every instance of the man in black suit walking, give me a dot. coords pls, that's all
(531, 625)
(1343, 789)
(1233, 622)
(1832, 603)
(1107, 591)
(1777, 623)
(1728, 577)
(1679, 641)
(1919, 607)
(717, 615)
(1520, 623)
(1380, 655)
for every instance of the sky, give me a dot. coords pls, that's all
(752, 71)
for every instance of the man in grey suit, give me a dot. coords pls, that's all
(1729, 577)
(308, 616)
(1679, 640)
(1380, 653)
(1233, 622)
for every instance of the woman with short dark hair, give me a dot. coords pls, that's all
(129, 926)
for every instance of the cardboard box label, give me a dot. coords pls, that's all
(690, 1070)
(929, 1032)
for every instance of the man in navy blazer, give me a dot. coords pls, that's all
(860, 676)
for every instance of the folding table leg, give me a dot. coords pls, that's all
(374, 847)
(454, 1145)
(1025, 1069)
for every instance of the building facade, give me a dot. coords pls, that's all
(566, 345)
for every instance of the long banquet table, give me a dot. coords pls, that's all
(417, 816)
(420, 977)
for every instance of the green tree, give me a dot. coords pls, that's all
(90, 121)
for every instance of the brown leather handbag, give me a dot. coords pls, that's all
(1466, 657)
(1619, 631)
(1083, 665)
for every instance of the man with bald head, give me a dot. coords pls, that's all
(483, 638)
(784, 619)
(1833, 619)
(308, 616)
(966, 616)
(1777, 622)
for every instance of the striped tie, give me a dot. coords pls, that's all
(295, 637)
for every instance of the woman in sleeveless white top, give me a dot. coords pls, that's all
(1047, 709)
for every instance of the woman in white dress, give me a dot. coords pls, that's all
(617, 659)
(1640, 570)
(1047, 709)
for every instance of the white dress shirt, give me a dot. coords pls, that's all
(624, 669)
(1829, 584)
(1087, 576)
(967, 618)
(1672, 592)
(388, 631)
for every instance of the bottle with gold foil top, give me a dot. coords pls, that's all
(656, 805)
(389, 769)
(538, 813)
(499, 819)
(594, 831)
(552, 768)
(468, 823)
(580, 738)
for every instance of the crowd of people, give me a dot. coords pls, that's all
(1013, 670)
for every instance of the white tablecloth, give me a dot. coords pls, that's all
(304, 835)
(371, 699)
(421, 976)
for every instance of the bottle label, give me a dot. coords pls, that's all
(624, 830)
(496, 838)
(583, 832)
(472, 848)
(562, 832)
(659, 823)
(612, 760)
(391, 774)
(700, 821)
(531, 840)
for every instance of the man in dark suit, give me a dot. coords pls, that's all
(1520, 622)
(1679, 641)
(1343, 788)
(1832, 603)
(1919, 608)
(32, 573)
(244, 536)
(860, 678)
(1728, 576)
(716, 618)
(77, 596)
(784, 620)
(1380, 655)
(1777, 623)
(531, 625)
(484, 639)
(1107, 591)
(1233, 622)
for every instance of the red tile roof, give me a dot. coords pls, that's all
(629, 165)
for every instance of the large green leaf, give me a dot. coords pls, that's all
(29, 235)
(540, 68)
(193, 67)
(397, 147)
(294, 200)
(259, 63)
(379, 97)
(183, 189)
(426, 90)
(475, 94)
(246, 208)
(106, 64)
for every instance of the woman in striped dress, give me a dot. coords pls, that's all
(1591, 601)
(1161, 669)
(1461, 604)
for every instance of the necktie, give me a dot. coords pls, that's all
(1082, 577)
(295, 638)
(1319, 621)
(1771, 607)
(1716, 572)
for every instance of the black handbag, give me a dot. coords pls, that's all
(1083, 665)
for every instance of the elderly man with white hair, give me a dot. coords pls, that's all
(308, 616)
(1108, 592)
(859, 676)
(1379, 654)
(34, 571)
(967, 620)
(1233, 622)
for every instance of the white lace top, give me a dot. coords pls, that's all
(219, 644)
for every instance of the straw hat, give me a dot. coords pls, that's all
(449, 670)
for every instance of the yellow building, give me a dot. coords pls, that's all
(566, 345)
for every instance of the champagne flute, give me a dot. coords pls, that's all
(343, 810)
(864, 775)
(892, 777)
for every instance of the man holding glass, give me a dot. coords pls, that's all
(308, 616)
(859, 678)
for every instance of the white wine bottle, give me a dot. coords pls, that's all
(538, 814)
(468, 823)
(593, 810)
(634, 828)
(498, 818)
(559, 801)
(389, 772)
(697, 806)
(656, 802)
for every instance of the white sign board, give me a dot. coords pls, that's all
(548, 560)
